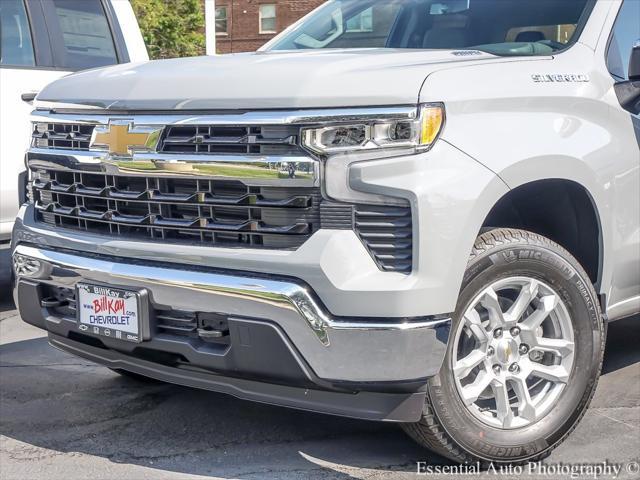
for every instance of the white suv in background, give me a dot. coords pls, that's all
(41, 42)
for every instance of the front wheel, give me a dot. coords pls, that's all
(524, 356)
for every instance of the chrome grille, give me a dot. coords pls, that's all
(183, 210)
(263, 140)
(387, 233)
(267, 195)
(188, 139)
(61, 135)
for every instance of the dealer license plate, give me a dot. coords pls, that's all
(109, 312)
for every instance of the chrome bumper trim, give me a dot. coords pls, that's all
(339, 350)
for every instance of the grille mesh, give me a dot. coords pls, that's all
(264, 140)
(218, 212)
(62, 136)
(211, 212)
(187, 139)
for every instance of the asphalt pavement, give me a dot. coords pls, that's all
(64, 418)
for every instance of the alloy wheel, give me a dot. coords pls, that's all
(513, 352)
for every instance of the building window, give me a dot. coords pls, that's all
(363, 22)
(268, 19)
(222, 24)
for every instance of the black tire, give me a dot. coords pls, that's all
(447, 426)
(135, 376)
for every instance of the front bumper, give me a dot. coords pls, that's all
(284, 347)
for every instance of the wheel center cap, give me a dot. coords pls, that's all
(507, 351)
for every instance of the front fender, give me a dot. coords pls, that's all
(451, 194)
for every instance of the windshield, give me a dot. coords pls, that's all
(500, 27)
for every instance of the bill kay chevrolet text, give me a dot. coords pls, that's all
(414, 211)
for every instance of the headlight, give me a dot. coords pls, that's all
(418, 134)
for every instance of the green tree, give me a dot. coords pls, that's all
(171, 28)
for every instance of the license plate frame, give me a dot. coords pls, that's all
(117, 306)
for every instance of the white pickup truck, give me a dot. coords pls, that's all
(41, 41)
(418, 211)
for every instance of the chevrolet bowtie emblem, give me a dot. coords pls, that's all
(121, 138)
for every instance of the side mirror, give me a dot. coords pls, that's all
(628, 92)
(29, 97)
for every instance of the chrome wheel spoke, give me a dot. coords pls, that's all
(463, 367)
(473, 322)
(547, 305)
(504, 413)
(553, 373)
(528, 292)
(471, 392)
(526, 408)
(558, 346)
(491, 303)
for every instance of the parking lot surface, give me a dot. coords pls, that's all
(64, 418)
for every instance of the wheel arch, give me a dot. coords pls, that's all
(572, 199)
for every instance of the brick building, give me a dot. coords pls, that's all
(246, 25)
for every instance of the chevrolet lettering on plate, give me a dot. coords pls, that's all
(109, 312)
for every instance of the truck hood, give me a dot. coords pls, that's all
(261, 80)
